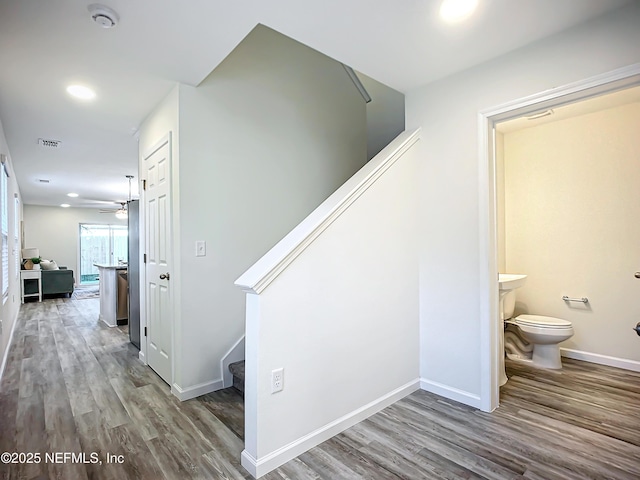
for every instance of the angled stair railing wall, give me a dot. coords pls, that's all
(357, 83)
(334, 305)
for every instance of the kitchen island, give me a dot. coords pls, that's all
(113, 294)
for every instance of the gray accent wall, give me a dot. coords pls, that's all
(262, 141)
(385, 114)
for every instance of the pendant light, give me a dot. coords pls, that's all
(121, 213)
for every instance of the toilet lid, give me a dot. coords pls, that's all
(542, 321)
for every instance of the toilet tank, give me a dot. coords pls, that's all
(509, 304)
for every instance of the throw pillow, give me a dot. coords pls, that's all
(49, 265)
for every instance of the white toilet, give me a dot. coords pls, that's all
(534, 338)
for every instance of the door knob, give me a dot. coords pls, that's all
(637, 275)
(637, 328)
(164, 276)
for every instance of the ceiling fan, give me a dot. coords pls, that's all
(121, 213)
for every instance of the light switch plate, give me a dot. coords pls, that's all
(201, 248)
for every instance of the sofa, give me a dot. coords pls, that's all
(54, 282)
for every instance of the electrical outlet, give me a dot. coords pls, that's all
(277, 380)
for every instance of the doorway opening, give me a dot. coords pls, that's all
(488, 200)
(100, 244)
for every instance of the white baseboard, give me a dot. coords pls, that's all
(451, 393)
(196, 390)
(601, 359)
(102, 319)
(6, 351)
(262, 466)
(250, 464)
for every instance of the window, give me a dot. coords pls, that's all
(4, 230)
(102, 244)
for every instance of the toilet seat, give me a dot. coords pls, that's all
(541, 321)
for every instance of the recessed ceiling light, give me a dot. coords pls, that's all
(65, 205)
(81, 92)
(72, 195)
(457, 10)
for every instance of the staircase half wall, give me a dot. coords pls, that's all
(335, 305)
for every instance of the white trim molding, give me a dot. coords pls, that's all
(451, 393)
(196, 390)
(276, 260)
(262, 466)
(597, 85)
(624, 363)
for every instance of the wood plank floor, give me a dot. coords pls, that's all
(73, 385)
(582, 422)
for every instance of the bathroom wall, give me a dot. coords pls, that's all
(502, 261)
(571, 224)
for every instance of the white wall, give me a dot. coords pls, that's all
(572, 210)
(55, 231)
(11, 305)
(447, 111)
(385, 114)
(263, 140)
(341, 319)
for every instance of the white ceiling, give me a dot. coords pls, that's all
(45, 45)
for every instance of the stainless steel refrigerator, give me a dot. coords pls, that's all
(134, 272)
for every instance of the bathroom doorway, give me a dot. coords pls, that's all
(491, 236)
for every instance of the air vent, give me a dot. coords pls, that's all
(49, 143)
(43, 180)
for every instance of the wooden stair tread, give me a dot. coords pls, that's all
(237, 370)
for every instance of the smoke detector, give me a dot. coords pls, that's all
(103, 16)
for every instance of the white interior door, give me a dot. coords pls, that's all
(157, 167)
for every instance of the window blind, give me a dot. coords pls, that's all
(16, 235)
(4, 228)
